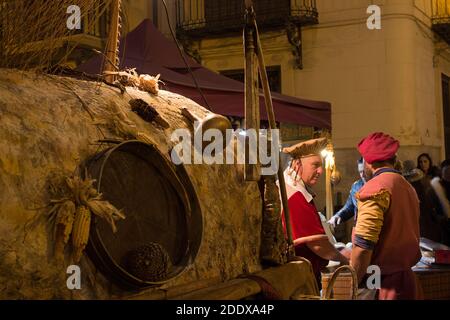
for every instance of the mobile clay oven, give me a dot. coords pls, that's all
(201, 223)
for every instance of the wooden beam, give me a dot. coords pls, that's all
(252, 118)
(170, 293)
(287, 279)
(232, 290)
(112, 51)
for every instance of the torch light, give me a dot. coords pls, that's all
(328, 155)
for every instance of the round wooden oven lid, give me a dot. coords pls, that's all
(162, 231)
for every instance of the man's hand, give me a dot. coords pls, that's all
(334, 221)
(360, 260)
(324, 249)
(346, 253)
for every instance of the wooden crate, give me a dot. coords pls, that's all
(435, 285)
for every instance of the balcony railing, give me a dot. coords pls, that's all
(200, 18)
(441, 18)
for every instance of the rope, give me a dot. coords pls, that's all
(184, 58)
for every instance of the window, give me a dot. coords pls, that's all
(273, 74)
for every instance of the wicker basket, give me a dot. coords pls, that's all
(343, 286)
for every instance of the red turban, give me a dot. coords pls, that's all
(378, 147)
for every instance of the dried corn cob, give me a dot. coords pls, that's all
(93, 193)
(85, 188)
(80, 232)
(64, 219)
(63, 226)
(107, 211)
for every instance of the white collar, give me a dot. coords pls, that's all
(293, 185)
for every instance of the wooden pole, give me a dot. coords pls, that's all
(112, 51)
(172, 292)
(290, 277)
(235, 289)
(273, 126)
(251, 170)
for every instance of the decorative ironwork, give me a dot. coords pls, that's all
(200, 18)
(441, 18)
(294, 35)
(190, 46)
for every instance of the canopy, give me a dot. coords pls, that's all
(150, 52)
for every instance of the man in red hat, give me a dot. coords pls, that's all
(387, 228)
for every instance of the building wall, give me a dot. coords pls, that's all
(404, 98)
(163, 24)
(376, 80)
(134, 12)
(137, 10)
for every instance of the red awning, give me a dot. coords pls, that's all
(150, 52)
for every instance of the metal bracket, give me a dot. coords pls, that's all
(294, 35)
(190, 47)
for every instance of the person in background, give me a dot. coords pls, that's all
(310, 239)
(398, 165)
(349, 210)
(440, 200)
(425, 164)
(387, 229)
(429, 222)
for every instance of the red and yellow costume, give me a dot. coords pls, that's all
(388, 222)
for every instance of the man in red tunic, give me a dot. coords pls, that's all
(310, 240)
(387, 229)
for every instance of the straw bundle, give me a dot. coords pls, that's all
(35, 34)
